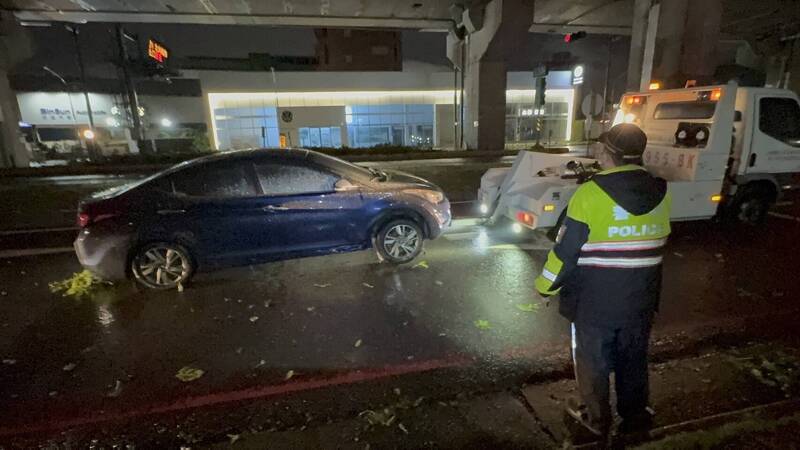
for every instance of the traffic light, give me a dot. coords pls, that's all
(572, 37)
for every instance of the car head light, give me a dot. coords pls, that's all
(429, 195)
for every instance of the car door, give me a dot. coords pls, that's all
(215, 209)
(303, 210)
(775, 144)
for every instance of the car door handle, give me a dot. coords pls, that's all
(272, 208)
(165, 212)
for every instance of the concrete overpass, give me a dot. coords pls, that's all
(671, 40)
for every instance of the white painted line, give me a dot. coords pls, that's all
(37, 230)
(464, 201)
(461, 236)
(786, 203)
(34, 252)
(523, 246)
(784, 216)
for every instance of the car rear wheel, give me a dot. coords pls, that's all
(162, 266)
(399, 241)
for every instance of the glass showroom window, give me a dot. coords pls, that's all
(403, 125)
(320, 137)
(246, 127)
(521, 121)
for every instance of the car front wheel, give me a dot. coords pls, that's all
(162, 266)
(399, 241)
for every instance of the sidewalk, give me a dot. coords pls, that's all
(735, 398)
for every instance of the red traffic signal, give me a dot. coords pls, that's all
(570, 37)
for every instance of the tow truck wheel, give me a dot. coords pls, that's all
(752, 204)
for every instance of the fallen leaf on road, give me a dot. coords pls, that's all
(187, 374)
(289, 375)
(260, 363)
(423, 264)
(439, 283)
(239, 350)
(69, 367)
(180, 287)
(9, 361)
(267, 303)
(397, 391)
(528, 307)
(357, 344)
(79, 285)
(254, 319)
(679, 255)
(322, 285)
(311, 309)
(116, 390)
(402, 428)
(483, 324)
(234, 437)
(226, 299)
(367, 285)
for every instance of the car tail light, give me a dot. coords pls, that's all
(526, 218)
(84, 219)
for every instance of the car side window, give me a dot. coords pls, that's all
(779, 117)
(217, 180)
(291, 178)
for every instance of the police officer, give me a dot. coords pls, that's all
(606, 266)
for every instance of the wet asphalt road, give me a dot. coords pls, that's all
(468, 303)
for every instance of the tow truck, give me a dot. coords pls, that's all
(726, 151)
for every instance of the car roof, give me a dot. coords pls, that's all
(231, 155)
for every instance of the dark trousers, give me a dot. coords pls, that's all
(596, 352)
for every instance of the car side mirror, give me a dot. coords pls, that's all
(572, 165)
(344, 185)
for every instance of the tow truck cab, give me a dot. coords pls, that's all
(744, 165)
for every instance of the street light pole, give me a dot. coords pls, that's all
(67, 90)
(79, 55)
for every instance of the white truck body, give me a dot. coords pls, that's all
(733, 137)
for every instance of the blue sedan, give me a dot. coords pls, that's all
(254, 206)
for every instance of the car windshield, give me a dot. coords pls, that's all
(346, 169)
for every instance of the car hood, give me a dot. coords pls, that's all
(398, 178)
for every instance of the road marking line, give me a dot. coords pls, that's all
(37, 230)
(34, 252)
(784, 216)
(461, 236)
(253, 393)
(523, 246)
(787, 203)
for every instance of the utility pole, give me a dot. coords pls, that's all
(133, 100)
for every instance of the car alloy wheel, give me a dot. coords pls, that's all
(400, 241)
(162, 266)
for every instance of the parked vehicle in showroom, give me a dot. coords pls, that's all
(254, 206)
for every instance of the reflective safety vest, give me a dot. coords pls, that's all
(606, 263)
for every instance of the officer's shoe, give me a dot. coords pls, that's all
(580, 427)
(639, 423)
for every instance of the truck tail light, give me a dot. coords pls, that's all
(716, 198)
(526, 218)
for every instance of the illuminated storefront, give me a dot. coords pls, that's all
(418, 118)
